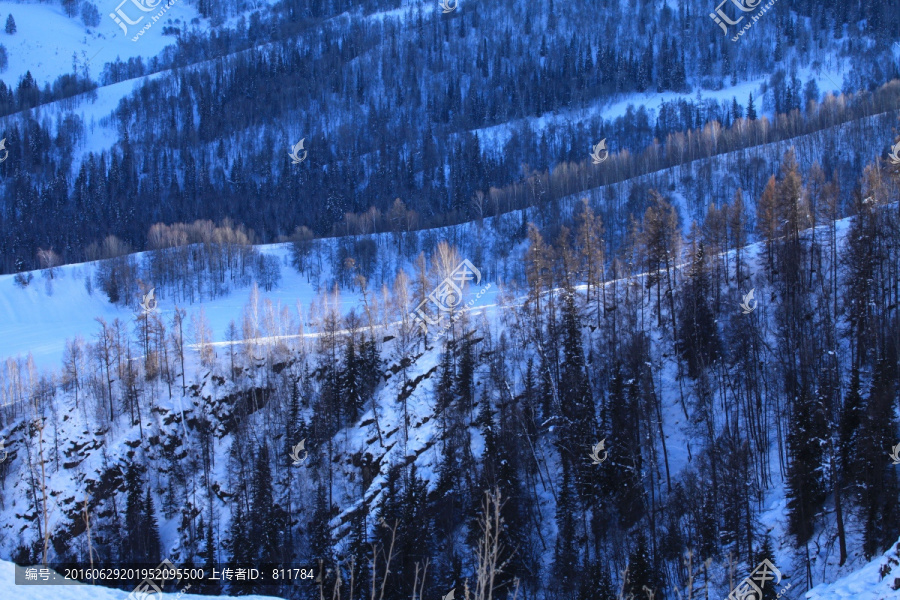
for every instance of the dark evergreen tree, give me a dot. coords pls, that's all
(135, 545)
(444, 388)
(241, 548)
(737, 495)
(464, 386)
(698, 334)
(640, 570)
(369, 369)
(351, 381)
(360, 552)
(498, 472)
(266, 519)
(852, 416)
(70, 7)
(414, 541)
(320, 540)
(707, 525)
(576, 401)
(878, 488)
(150, 526)
(751, 109)
(403, 516)
(805, 477)
(737, 110)
(566, 564)
(624, 447)
(295, 424)
(770, 590)
(208, 559)
(596, 583)
(452, 492)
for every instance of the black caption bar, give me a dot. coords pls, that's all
(155, 577)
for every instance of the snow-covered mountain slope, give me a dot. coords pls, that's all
(39, 318)
(163, 435)
(49, 310)
(877, 580)
(46, 39)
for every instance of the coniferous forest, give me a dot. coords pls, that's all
(455, 350)
(427, 107)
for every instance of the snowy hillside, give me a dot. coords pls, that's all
(438, 300)
(46, 40)
(40, 318)
(878, 580)
(405, 433)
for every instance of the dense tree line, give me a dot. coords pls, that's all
(28, 93)
(208, 139)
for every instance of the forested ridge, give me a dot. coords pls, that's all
(706, 411)
(434, 109)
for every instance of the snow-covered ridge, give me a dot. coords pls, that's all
(877, 580)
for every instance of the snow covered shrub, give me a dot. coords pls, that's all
(23, 279)
(117, 278)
